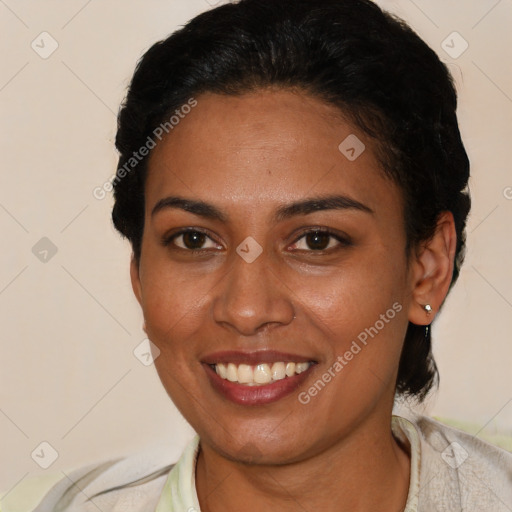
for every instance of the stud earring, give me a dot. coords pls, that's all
(428, 308)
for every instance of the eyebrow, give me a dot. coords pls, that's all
(302, 207)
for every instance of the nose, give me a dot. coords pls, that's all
(251, 296)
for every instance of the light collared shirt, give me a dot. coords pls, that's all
(451, 471)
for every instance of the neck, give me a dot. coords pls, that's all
(366, 471)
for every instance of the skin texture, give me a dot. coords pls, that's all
(248, 155)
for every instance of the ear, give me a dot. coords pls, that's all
(135, 278)
(432, 271)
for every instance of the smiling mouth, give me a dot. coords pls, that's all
(259, 374)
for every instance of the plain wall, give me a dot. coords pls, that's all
(69, 325)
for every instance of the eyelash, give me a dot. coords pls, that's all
(343, 241)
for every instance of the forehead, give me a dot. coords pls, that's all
(265, 146)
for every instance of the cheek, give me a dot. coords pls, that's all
(171, 302)
(360, 311)
(174, 313)
(363, 322)
(353, 296)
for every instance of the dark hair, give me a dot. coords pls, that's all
(349, 53)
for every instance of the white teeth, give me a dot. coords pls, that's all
(278, 371)
(301, 367)
(261, 373)
(222, 371)
(232, 373)
(290, 369)
(245, 374)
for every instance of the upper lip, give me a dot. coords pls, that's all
(254, 357)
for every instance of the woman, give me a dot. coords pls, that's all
(294, 187)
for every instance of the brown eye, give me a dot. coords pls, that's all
(318, 240)
(193, 239)
(189, 239)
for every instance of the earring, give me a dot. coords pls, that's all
(428, 309)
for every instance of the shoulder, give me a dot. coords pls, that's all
(134, 482)
(437, 435)
(460, 470)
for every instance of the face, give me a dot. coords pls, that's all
(255, 284)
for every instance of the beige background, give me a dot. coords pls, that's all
(69, 325)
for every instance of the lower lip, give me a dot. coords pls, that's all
(255, 395)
